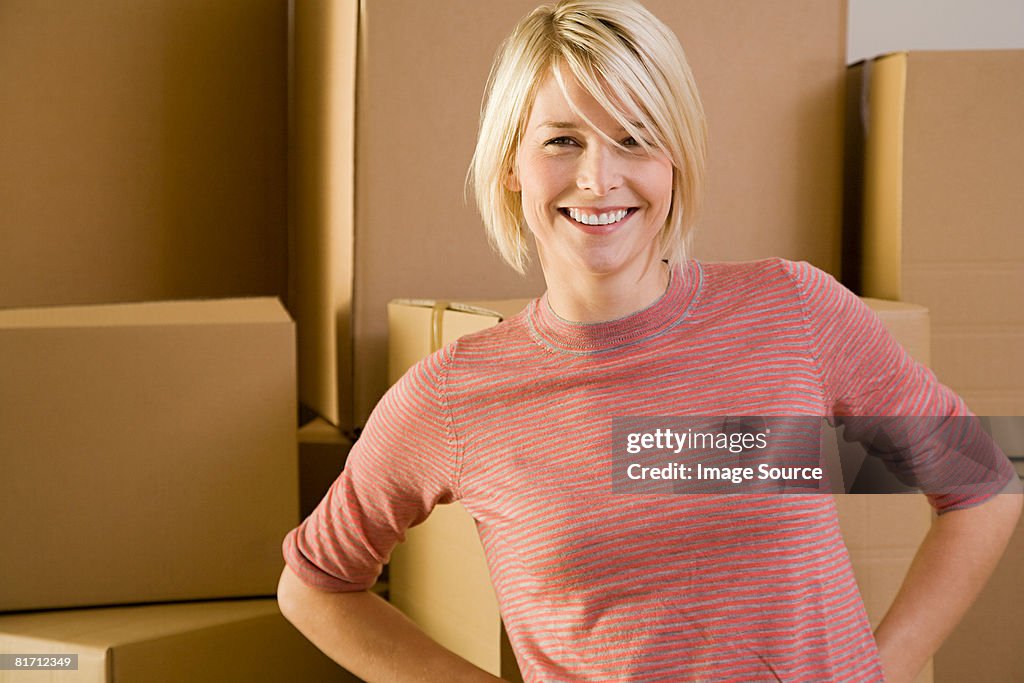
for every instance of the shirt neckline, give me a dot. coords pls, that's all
(665, 312)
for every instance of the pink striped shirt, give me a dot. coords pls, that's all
(515, 423)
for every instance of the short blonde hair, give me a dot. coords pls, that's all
(633, 66)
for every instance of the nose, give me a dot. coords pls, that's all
(600, 170)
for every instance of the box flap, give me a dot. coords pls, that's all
(103, 628)
(201, 311)
(501, 309)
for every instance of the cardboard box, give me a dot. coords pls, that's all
(774, 107)
(439, 576)
(144, 150)
(323, 450)
(214, 642)
(148, 451)
(321, 183)
(941, 208)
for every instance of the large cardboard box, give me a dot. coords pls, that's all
(148, 451)
(321, 188)
(143, 152)
(941, 208)
(772, 78)
(439, 576)
(204, 642)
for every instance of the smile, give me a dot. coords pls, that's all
(596, 219)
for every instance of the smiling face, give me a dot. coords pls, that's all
(595, 208)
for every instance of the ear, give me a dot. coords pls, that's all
(512, 181)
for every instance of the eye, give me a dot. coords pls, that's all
(561, 140)
(630, 142)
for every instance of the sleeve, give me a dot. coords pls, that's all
(403, 464)
(922, 429)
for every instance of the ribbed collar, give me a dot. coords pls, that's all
(665, 312)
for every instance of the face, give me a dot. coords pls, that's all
(595, 209)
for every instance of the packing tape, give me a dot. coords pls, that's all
(437, 325)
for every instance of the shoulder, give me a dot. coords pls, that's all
(765, 284)
(770, 271)
(509, 335)
(470, 355)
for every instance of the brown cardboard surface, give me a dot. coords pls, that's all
(439, 576)
(143, 150)
(323, 450)
(771, 76)
(986, 646)
(215, 642)
(943, 208)
(418, 327)
(149, 452)
(321, 135)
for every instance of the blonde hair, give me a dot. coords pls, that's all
(609, 46)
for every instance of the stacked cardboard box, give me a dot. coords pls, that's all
(439, 576)
(204, 642)
(935, 142)
(149, 451)
(941, 208)
(144, 150)
(149, 455)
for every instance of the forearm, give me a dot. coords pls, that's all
(369, 637)
(950, 568)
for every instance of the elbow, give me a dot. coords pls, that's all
(288, 594)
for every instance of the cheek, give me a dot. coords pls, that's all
(542, 185)
(661, 184)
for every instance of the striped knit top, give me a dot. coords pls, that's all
(593, 585)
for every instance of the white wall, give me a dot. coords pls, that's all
(879, 26)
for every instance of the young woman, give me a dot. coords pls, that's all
(592, 146)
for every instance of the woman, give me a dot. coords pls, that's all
(592, 139)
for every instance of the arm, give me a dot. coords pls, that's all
(951, 566)
(402, 466)
(369, 637)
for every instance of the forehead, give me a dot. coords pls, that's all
(551, 108)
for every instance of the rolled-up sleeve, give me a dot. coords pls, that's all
(921, 428)
(403, 464)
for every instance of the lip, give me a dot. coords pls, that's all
(599, 229)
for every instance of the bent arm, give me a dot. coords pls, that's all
(950, 568)
(370, 637)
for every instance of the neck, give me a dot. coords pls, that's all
(603, 297)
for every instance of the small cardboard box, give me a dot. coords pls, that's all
(148, 452)
(201, 642)
(439, 576)
(935, 136)
(323, 450)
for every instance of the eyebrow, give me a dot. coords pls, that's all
(572, 125)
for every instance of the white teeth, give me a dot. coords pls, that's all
(593, 219)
